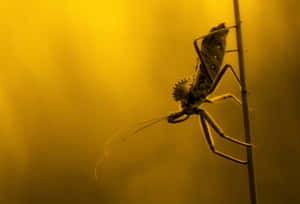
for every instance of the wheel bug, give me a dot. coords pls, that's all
(192, 93)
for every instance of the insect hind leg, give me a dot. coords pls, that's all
(211, 143)
(220, 132)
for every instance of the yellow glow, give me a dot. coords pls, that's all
(72, 72)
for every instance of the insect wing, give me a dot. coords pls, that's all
(213, 50)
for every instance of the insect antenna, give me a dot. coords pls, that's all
(148, 123)
(113, 139)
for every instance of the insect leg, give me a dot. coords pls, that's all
(211, 142)
(217, 128)
(220, 75)
(197, 64)
(197, 47)
(198, 71)
(223, 97)
(200, 55)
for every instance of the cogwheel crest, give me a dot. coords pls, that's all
(182, 90)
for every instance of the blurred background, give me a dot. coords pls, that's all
(72, 72)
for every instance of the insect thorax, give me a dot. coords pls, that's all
(192, 92)
(189, 95)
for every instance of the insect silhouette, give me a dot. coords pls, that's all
(191, 93)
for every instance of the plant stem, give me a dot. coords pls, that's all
(245, 102)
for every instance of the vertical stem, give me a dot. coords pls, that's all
(245, 102)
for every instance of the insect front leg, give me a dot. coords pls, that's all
(197, 64)
(211, 142)
(199, 53)
(220, 75)
(197, 47)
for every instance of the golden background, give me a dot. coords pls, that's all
(72, 72)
